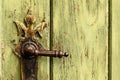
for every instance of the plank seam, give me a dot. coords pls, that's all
(109, 39)
(51, 38)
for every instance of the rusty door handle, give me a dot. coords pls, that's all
(28, 49)
(31, 49)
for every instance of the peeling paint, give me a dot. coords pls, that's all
(2, 50)
(86, 52)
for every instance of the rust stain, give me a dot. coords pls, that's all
(47, 77)
(2, 50)
(12, 78)
(74, 6)
(105, 52)
(93, 73)
(81, 59)
(86, 53)
(70, 56)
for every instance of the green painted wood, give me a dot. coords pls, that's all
(80, 27)
(115, 40)
(16, 10)
(0, 40)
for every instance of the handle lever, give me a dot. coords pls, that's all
(30, 49)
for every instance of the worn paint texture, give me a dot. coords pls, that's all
(0, 40)
(16, 10)
(80, 27)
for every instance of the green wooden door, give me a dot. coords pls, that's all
(87, 29)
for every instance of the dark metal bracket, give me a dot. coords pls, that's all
(28, 49)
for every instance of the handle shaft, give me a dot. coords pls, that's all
(51, 53)
(30, 50)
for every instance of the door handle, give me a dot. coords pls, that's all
(28, 49)
(32, 49)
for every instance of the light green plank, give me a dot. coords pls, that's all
(115, 40)
(80, 27)
(0, 39)
(16, 10)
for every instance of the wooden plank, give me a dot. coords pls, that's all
(0, 40)
(115, 40)
(16, 10)
(80, 27)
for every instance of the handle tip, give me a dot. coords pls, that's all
(60, 54)
(66, 54)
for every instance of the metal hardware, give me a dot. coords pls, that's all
(28, 48)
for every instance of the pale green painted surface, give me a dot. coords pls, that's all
(80, 27)
(0, 39)
(16, 10)
(115, 40)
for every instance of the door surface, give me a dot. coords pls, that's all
(16, 10)
(115, 58)
(87, 30)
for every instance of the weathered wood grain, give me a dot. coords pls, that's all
(0, 40)
(115, 40)
(16, 10)
(80, 27)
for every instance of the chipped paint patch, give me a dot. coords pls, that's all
(1, 57)
(2, 51)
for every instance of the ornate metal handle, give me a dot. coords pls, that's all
(28, 49)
